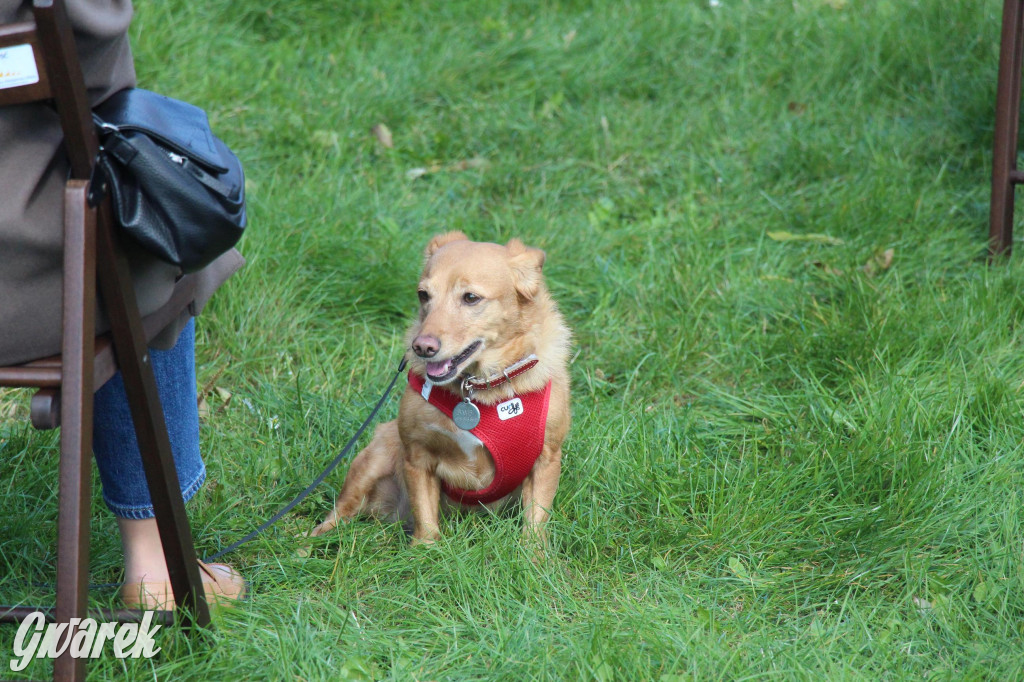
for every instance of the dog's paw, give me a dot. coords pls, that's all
(305, 548)
(425, 540)
(535, 543)
(319, 530)
(329, 524)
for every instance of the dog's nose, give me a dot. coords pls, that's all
(426, 346)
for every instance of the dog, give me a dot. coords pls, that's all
(486, 410)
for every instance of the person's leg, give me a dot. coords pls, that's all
(117, 452)
(120, 464)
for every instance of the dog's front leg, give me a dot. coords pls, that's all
(539, 493)
(375, 462)
(424, 490)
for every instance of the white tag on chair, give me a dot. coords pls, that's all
(17, 66)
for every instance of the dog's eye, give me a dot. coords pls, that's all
(469, 298)
(424, 296)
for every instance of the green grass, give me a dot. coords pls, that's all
(788, 460)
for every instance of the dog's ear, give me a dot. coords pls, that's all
(442, 239)
(526, 263)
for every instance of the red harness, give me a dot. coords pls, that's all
(512, 431)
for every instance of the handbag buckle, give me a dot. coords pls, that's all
(99, 184)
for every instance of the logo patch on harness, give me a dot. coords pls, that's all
(510, 408)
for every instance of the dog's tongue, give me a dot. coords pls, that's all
(439, 369)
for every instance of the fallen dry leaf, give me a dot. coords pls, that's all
(383, 135)
(783, 236)
(826, 268)
(476, 163)
(470, 164)
(880, 262)
(327, 139)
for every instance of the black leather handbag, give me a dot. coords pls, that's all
(175, 187)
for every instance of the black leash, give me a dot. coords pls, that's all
(319, 479)
(291, 505)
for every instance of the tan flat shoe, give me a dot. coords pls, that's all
(221, 583)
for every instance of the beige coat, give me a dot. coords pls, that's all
(33, 170)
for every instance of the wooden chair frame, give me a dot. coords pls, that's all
(1005, 176)
(92, 253)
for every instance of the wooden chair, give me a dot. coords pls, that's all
(1005, 175)
(67, 382)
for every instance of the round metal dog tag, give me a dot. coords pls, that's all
(466, 415)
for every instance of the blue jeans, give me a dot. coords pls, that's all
(117, 452)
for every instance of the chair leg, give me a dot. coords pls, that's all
(150, 428)
(73, 528)
(1004, 154)
(76, 426)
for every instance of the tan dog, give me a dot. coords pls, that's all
(485, 315)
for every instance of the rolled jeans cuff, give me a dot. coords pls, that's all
(188, 491)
